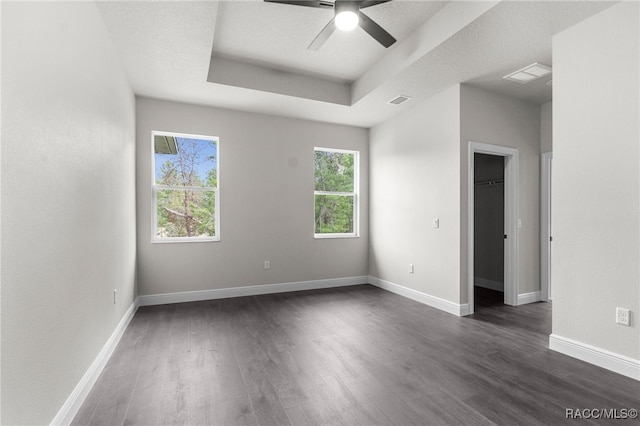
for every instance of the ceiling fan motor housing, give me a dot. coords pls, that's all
(347, 6)
(357, 18)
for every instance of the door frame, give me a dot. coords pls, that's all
(511, 194)
(545, 225)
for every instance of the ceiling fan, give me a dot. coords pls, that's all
(347, 16)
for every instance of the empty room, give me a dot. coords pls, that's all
(371, 212)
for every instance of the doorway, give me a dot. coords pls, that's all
(491, 158)
(488, 246)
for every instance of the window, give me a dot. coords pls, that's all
(336, 193)
(186, 199)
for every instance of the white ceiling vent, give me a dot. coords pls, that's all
(528, 73)
(400, 99)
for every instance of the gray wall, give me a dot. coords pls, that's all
(266, 202)
(414, 178)
(546, 127)
(596, 181)
(499, 120)
(418, 172)
(68, 202)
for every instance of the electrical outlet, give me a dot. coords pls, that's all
(622, 316)
(115, 296)
(411, 268)
(436, 222)
(267, 264)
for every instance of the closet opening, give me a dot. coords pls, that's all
(492, 226)
(488, 240)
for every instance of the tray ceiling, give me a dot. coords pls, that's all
(252, 56)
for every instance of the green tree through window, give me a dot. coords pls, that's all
(336, 203)
(185, 187)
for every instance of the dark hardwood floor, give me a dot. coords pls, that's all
(354, 356)
(485, 298)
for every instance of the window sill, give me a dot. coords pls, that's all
(332, 236)
(184, 240)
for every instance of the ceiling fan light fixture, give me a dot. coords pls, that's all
(346, 20)
(346, 16)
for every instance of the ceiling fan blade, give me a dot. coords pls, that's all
(323, 36)
(369, 3)
(308, 3)
(375, 30)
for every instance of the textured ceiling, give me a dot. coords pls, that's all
(277, 35)
(521, 35)
(261, 63)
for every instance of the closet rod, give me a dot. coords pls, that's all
(490, 182)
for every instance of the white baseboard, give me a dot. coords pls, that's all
(491, 285)
(602, 358)
(74, 401)
(223, 293)
(525, 298)
(464, 310)
(427, 299)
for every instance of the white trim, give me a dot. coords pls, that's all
(171, 240)
(155, 188)
(223, 293)
(511, 202)
(73, 403)
(427, 299)
(333, 236)
(464, 310)
(184, 135)
(341, 150)
(490, 284)
(525, 298)
(188, 188)
(545, 225)
(337, 194)
(601, 357)
(355, 194)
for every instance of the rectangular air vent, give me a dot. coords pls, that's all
(528, 73)
(399, 99)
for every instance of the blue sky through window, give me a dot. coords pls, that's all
(204, 151)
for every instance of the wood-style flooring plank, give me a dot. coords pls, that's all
(347, 356)
(107, 404)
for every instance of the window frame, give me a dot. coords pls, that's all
(355, 194)
(157, 187)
